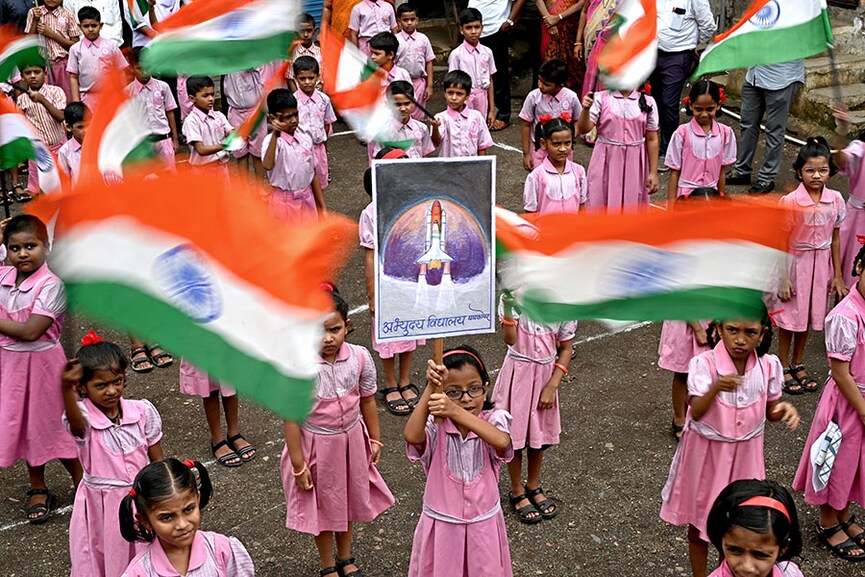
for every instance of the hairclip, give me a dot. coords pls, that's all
(769, 503)
(772, 316)
(544, 118)
(132, 493)
(722, 95)
(860, 238)
(686, 101)
(395, 153)
(646, 89)
(464, 352)
(91, 338)
(190, 464)
(566, 116)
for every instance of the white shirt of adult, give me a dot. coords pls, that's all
(162, 9)
(494, 12)
(109, 10)
(683, 24)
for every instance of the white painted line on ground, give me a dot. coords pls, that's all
(60, 511)
(359, 309)
(343, 133)
(507, 147)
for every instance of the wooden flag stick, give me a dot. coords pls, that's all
(438, 349)
(5, 193)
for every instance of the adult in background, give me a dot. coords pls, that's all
(559, 31)
(15, 12)
(109, 10)
(336, 14)
(593, 32)
(499, 17)
(682, 25)
(767, 90)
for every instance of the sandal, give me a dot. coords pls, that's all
(858, 539)
(340, 565)
(243, 452)
(226, 458)
(409, 387)
(24, 196)
(398, 407)
(524, 511)
(809, 385)
(793, 386)
(41, 510)
(841, 549)
(141, 364)
(159, 357)
(677, 430)
(328, 571)
(547, 508)
(499, 125)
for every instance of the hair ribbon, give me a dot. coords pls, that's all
(464, 352)
(132, 493)
(860, 238)
(769, 503)
(91, 338)
(190, 464)
(772, 316)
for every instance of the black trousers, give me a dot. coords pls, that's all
(498, 43)
(668, 79)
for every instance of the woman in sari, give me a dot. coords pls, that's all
(337, 13)
(595, 30)
(560, 28)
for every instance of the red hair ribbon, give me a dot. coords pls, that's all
(686, 100)
(190, 464)
(772, 316)
(326, 286)
(91, 338)
(132, 493)
(566, 116)
(544, 118)
(646, 89)
(395, 153)
(860, 238)
(767, 502)
(723, 94)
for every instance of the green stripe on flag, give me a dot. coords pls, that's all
(211, 58)
(28, 56)
(129, 309)
(15, 152)
(144, 150)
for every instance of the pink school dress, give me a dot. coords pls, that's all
(781, 569)
(111, 455)
(678, 346)
(853, 228)
(548, 191)
(699, 156)
(346, 485)
(316, 115)
(810, 262)
(526, 370)
(620, 164)
(291, 177)
(845, 341)
(212, 555)
(367, 240)
(196, 383)
(31, 400)
(726, 444)
(538, 104)
(461, 531)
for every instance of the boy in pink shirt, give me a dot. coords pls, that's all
(306, 47)
(76, 117)
(415, 54)
(401, 94)
(91, 56)
(61, 31)
(459, 130)
(289, 158)
(382, 51)
(316, 113)
(43, 106)
(243, 90)
(205, 128)
(476, 60)
(368, 18)
(158, 105)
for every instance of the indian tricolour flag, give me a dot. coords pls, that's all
(220, 36)
(18, 50)
(770, 31)
(630, 55)
(236, 139)
(19, 142)
(689, 263)
(171, 259)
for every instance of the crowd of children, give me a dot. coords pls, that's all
(137, 513)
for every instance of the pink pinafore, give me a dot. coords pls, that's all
(696, 171)
(853, 228)
(678, 346)
(461, 531)
(548, 191)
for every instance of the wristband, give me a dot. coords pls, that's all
(377, 442)
(509, 21)
(509, 323)
(303, 470)
(563, 367)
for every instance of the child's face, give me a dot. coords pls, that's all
(748, 553)
(472, 32)
(815, 173)
(306, 81)
(741, 337)
(26, 252)
(466, 382)
(203, 99)
(286, 120)
(404, 106)
(408, 22)
(380, 57)
(704, 109)
(139, 73)
(34, 76)
(105, 388)
(174, 520)
(547, 87)
(306, 33)
(456, 97)
(52, 4)
(559, 146)
(335, 330)
(91, 28)
(79, 130)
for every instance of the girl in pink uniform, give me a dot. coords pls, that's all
(754, 526)
(116, 438)
(556, 184)
(842, 402)
(623, 171)
(329, 472)
(850, 161)
(461, 442)
(814, 269)
(733, 390)
(163, 508)
(680, 342)
(528, 388)
(32, 309)
(700, 149)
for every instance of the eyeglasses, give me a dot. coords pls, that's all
(823, 171)
(473, 392)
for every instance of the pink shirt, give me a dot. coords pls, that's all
(463, 133)
(411, 130)
(294, 166)
(548, 191)
(243, 89)
(316, 114)
(394, 74)
(313, 51)
(51, 132)
(89, 60)
(537, 104)
(366, 229)
(414, 52)
(844, 325)
(41, 293)
(537, 342)
(700, 156)
(476, 61)
(813, 224)
(156, 99)
(207, 128)
(352, 368)
(211, 555)
(854, 153)
(369, 18)
(620, 120)
(781, 569)
(69, 158)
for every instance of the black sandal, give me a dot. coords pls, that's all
(161, 359)
(809, 385)
(243, 452)
(398, 407)
(340, 565)
(841, 549)
(858, 539)
(677, 430)
(524, 511)
(328, 571)
(224, 460)
(142, 365)
(544, 506)
(410, 387)
(792, 387)
(24, 196)
(41, 509)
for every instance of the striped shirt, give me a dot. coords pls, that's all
(353, 367)
(50, 131)
(59, 20)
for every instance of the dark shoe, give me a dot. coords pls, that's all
(342, 564)
(859, 539)
(159, 357)
(328, 571)
(42, 511)
(843, 548)
(546, 507)
(246, 453)
(526, 510)
(734, 178)
(793, 386)
(230, 460)
(808, 383)
(762, 187)
(677, 430)
(139, 360)
(398, 407)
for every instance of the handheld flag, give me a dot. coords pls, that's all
(19, 142)
(631, 53)
(236, 139)
(17, 50)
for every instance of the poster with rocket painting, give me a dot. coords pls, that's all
(435, 247)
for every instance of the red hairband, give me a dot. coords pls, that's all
(395, 153)
(190, 464)
(91, 338)
(463, 352)
(769, 503)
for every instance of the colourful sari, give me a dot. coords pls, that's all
(340, 13)
(597, 33)
(562, 45)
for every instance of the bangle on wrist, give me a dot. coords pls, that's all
(562, 367)
(509, 21)
(303, 470)
(561, 17)
(377, 442)
(509, 322)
